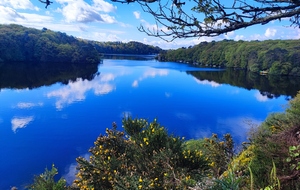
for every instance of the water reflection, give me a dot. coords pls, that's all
(260, 97)
(20, 122)
(270, 85)
(206, 82)
(190, 104)
(12, 75)
(76, 91)
(28, 105)
(150, 73)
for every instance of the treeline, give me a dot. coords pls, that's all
(21, 44)
(278, 57)
(272, 86)
(126, 48)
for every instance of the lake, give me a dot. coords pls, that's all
(56, 121)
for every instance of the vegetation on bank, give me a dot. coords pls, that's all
(278, 57)
(21, 44)
(145, 156)
(125, 48)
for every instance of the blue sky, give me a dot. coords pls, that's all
(102, 20)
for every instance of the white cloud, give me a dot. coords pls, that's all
(9, 15)
(135, 83)
(260, 97)
(137, 14)
(239, 37)
(26, 105)
(80, 11)
(75, 91)
(21, 122)
(150, 73)
(270, 32)
(206, 82)
(104, 36)
(71, 173)
(19, 4)
(101, 5)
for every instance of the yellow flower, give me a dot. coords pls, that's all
(140, 180)
(108, 157)
(140, 186)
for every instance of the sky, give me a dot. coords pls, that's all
(102, 20)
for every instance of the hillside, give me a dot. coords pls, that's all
(278, 57)
(126, 48)
(21, 44)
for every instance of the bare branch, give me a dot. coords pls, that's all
(197, 18)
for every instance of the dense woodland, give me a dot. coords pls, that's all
(21, 44)
(278, 57)
(125, 48)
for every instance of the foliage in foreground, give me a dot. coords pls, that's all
(45, 181)
(145, 156)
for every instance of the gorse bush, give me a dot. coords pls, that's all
(144, 157)
(45, 181)
(273, 141)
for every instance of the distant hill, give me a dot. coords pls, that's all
(21, 44)
(278, 57)
(126, 48)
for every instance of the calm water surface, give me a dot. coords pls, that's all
(57, 123)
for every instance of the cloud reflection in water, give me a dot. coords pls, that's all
(150, 73)
(259, 97)
(28, 105)
(21, 122)
(206, 82)
(76, 91)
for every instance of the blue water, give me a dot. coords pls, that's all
(58, 123)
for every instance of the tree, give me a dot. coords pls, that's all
(197, 18)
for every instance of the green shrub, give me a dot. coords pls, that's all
(272, 141)
(144, 157)
(45, 181)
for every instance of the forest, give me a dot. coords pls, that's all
(125, 48)
(21, 44)
(276, 57)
